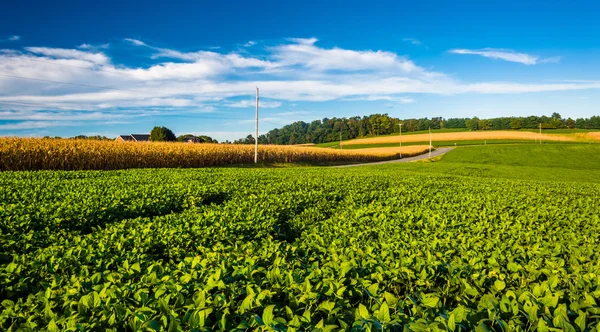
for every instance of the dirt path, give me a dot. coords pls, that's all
(437, 152)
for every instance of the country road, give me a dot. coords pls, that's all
(437, 152)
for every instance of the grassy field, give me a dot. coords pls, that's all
(551, 162)
(487, 238)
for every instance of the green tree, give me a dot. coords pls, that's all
(472, 124)
(162, 134)
(515, 124)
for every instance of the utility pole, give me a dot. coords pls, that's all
(540, 133)
(256, 137)
(429, 142)
(340, 139)
(400, 140)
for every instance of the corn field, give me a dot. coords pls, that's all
(68, 154)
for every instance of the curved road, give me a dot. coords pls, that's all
(437, 152)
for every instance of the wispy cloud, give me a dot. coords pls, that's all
(85, 46)
(250, 43)
(398, 99)
(413, 41)
(246, 103)
(63, 53)
(135, 42)
(36, 125)
(11, 38)
(506, 55)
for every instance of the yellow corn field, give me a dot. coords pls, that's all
(70, 154)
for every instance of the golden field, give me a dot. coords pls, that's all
(465, 136)
(69, 154)
(592, 136)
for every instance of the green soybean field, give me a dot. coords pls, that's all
(300, 249)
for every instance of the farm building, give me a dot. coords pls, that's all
(133, 138)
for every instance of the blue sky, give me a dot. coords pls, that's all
(69, 68)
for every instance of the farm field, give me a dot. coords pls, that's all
(447, 137)
(377, 247)
(555, 162)
(63, 154)
(472, 136)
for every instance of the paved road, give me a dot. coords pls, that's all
(438, 152)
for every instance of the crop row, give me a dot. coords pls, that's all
(297, 249)
(18, 154)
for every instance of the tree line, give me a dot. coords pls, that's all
(164, 134)
(157, 134)
(331, 129)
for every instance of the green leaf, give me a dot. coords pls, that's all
(430, 300)
(390, 299)
(373, 289)
(247, 303)
(459, 313)
(383, 314)
(327, 306)
(52, 327)
(363, 311)
(581, 320)
(499, 285)
(136, 267)
(267, 315)
(451, 322)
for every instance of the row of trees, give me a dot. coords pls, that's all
(164, 134)
(329, 130)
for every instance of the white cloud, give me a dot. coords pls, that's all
(293, 113)
(63, 53)
(85, 46)
(304, 53)
(36, 125)
(135, 42)
(250, 43)
(506, 55)
(554, 59)
(209, 81)
(413, 41)
(246, 103)
(400, 100)
(11, 38)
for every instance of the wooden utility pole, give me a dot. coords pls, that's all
(256, 136)
(429, 142)
(400, 140)
(340, 139)
(540, 133)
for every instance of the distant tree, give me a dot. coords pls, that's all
(483, 124)
(515, 124)
(162, 134)
(472, 124)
